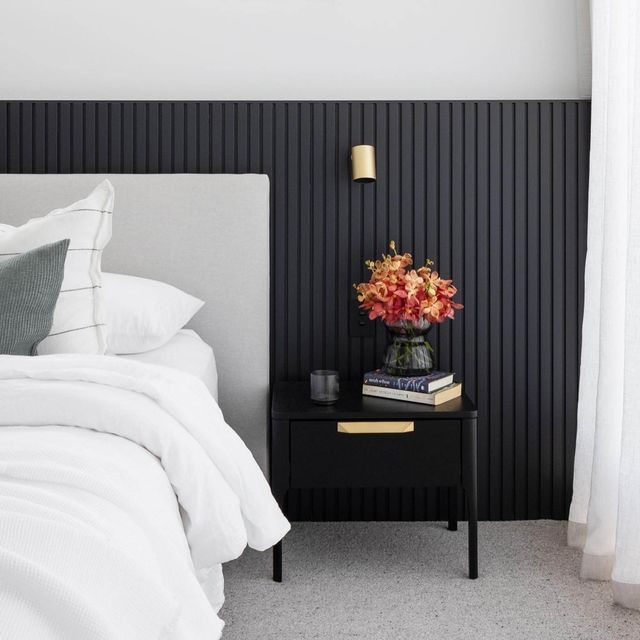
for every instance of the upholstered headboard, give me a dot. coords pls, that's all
(206, 234)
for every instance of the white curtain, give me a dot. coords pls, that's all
(605, 512)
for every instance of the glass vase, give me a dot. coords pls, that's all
(409, 352)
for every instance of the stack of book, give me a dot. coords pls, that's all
(434, 388)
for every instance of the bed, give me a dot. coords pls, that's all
(126, 481)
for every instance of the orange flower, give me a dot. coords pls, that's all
(413, 283)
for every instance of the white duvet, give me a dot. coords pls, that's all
(92, 542)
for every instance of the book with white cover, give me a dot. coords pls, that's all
(443, 395)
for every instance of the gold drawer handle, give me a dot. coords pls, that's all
(375, 427)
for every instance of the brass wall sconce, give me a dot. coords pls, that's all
(363, 163)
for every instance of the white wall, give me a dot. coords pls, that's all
(289, 49)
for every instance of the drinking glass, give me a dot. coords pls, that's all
(325, 386)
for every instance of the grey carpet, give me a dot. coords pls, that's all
(408, 581)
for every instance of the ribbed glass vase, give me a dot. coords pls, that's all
(409, 352)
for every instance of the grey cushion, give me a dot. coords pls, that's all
(29, 289)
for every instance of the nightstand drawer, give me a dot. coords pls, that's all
(368, 453)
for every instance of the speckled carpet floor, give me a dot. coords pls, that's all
(379, 581)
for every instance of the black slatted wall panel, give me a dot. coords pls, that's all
(494, 192)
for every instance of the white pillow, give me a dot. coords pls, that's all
(144, 314)
(78, 322)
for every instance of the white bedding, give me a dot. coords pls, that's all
(188, 352)
(91, 545)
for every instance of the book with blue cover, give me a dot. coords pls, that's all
(418, 384)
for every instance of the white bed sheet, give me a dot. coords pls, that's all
(187, 352)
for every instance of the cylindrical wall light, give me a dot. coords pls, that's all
(363, 163)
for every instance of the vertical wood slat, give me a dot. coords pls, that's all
(558, 304)
(483, 305)
(150, 145)
(495, 192)
(127, 137)
(4, 137)
(495, 220)
(354, 135)
(534, 288)
(138, 127)
(99, 145)
(545, 274)
(26, 137)
(305, 192)
(40, 138)
(571, 315)
(520, 311)
(64, 138)
(507, 342)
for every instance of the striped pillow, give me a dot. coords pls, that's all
(78, 321)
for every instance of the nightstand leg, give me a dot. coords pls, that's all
(279, 477)
(277, 562)
(453, 508)
(473, 536)
(470, 479)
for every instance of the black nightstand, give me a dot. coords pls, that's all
(373, 442)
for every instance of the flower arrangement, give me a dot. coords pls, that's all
(396, 293)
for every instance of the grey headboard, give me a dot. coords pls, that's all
(206, 234)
